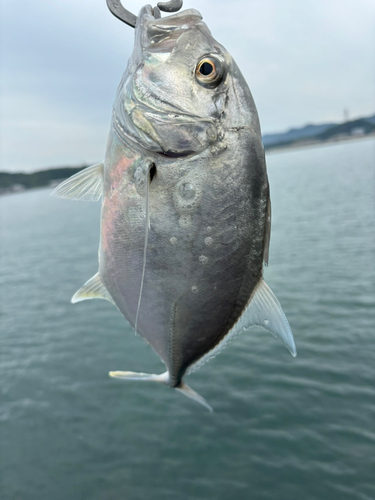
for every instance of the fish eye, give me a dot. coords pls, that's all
(209, 72)
(206, 68)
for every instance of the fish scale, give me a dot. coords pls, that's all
(185, 221)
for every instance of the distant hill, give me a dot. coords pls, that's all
(295, 133)
(355, 127)
(323, 132)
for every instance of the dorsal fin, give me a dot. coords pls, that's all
(86, 185)
(92, 289)
(263, 310)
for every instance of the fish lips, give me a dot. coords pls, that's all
(160, 34)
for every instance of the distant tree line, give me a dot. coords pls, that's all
(35, 179)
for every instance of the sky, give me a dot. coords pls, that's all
(61, 61)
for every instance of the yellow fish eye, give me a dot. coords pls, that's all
(209, 72)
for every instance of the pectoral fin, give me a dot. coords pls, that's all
(92, 289)
(86, 185)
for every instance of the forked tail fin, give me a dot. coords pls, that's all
(164, 379)
(190, 393)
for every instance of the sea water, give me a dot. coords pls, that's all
(282, 429)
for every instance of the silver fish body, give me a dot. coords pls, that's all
(186, 209)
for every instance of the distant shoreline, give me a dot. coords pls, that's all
(17, 182)
(279, 148)
(13, 183)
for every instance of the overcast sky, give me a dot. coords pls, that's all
(305, 62)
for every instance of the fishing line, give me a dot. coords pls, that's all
(147, 227)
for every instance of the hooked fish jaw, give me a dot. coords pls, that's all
(160, 104)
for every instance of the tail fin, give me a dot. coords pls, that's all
(164, 379)
(190, 393)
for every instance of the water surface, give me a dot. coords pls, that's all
(283, 428)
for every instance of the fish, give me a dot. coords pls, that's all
(185, 210)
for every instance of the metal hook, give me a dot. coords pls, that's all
(172, 6)
(130, 19)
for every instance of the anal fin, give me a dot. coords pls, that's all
(86, 185)
(263, 310)
(92, 289)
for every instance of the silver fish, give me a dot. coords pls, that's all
(186, 214)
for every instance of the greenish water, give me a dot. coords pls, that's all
(283, 428)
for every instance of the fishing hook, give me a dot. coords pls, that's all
(172, 6)
(117, 9)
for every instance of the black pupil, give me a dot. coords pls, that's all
(206, 69)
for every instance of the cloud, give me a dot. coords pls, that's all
(62, 62)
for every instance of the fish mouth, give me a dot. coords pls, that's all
(160, 33)
(148, 111)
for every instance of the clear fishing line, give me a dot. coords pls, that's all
(147, 227)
